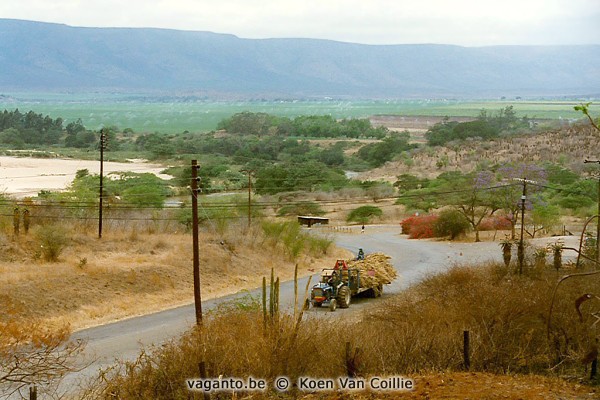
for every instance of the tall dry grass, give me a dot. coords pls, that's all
(417, 331)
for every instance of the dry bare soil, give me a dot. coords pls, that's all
(478, 386)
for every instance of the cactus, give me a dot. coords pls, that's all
(557, 249)
(506, 251)
(273, 312)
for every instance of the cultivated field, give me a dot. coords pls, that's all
(176, 114)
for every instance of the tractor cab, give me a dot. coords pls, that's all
(336, 286)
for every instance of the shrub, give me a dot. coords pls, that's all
(419, 227)
(53, 240)
(293, 239)
(495, 223)
(305, 208)
(417, 331)
(451, 223)
(363, 214)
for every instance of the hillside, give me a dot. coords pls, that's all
(41, 56)
(568, 146)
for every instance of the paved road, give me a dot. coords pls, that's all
(412, 259)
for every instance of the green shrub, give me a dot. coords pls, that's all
(293, 239)
(364, 214)
(451, 223)
(53, 239)
(305, 208)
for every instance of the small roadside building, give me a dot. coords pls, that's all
(310, 221)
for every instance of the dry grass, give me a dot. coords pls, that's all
(131, 272)
(568, 146)
(417, 333)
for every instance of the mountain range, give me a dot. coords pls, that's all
(37, 56)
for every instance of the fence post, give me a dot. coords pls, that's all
(466, 341)
(33, 393)
(202, 369)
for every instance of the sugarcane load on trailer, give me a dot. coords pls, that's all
(365, 274)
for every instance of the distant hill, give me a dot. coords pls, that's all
(43, 56)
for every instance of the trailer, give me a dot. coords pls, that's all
(349, 278)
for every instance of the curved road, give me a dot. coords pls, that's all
(411, 258)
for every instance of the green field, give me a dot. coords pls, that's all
(177, 114)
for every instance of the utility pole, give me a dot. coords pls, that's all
(598, 215)
(196, 250)
(521, 249)
(101, 194)
(250, 172)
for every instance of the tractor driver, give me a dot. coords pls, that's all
(332, 278)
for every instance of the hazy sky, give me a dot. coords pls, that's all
(461, 22)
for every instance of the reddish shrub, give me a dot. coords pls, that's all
(495, 223)
(419, 227)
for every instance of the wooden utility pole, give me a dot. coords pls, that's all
(101, 194)
(521, 249)
(598, 215)
(249, 172)
(196, 250)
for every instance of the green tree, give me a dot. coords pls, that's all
(78, 136)
(408, 182)
(472, 200)
(377, 154)
(544, 217)
(142, 190)
(364, 214)
(12, 137)
(451, 223)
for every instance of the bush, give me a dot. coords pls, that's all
(294, 241)
(417, 331)
(419, 227)
(364, 214)
(306, 208)
(53, 240)
(451, 223)
(495, 223)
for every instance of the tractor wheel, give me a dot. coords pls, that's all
(332, 305)
(306, 304)
(344, 296)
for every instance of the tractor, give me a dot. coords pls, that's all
(337, 286)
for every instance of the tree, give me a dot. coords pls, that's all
(451, 223)
(543, 217)
(112, 143)
(290, 176)
(247, 123)
(364, 214)
(473, 200)
(380, 190)
(333, 156)
(144, 190)
(379, 153)
(508, 194)
(441, 132)
(12, 137)
(408, 182)
(585, 109)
